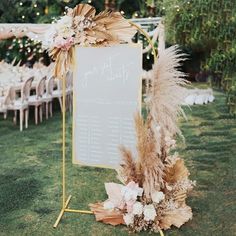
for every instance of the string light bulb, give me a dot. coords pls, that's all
(89, 1)
(35, 5)
(21, 3)
(37, 13)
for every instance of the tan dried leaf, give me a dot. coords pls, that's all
(112, 217)
(176, 172)
(84, 9)
(176, 217)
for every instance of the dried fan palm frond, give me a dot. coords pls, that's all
(176, 172)
(116, 25)
(176, 217)
(84, 9)
(112, 217)
(63, 60)
(166, 93)
(179, 197)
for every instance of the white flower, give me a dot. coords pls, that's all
(137, 208)
(64, 26)
(48, 39)
(158, 196)
(108, 205)
(149, 212)
(66, 21)
(131, 191)
(129, 219)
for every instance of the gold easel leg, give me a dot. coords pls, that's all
(78, 211)
(65, 203)
(62, 212)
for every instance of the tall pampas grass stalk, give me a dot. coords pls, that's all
(166, 94)
(164, 98)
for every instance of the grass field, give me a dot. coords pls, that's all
(30, 186)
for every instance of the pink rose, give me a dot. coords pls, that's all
(64, 44)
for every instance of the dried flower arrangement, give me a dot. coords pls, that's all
(81, 26)
(155, 184)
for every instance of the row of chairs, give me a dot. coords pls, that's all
(43, 98)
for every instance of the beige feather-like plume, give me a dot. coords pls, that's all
(149, 166)
(128, 171)
(166, 94)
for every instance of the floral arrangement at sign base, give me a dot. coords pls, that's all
(155, 183)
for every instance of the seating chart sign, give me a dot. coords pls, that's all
(107, 94)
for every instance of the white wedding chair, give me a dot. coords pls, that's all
(21, 104)
(57, 93)
(47, 97)
(37, 100)
(5, 101)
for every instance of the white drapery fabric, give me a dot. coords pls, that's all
(33, 31)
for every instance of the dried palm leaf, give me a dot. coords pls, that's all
(63, 61)
(85, 10)
(112, 217)
(176, 172)
(116, 25)
(176, 217)
(179, 197)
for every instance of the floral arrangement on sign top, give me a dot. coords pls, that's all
(81, 26)
(155, 183)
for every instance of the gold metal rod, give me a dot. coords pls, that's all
(148, 38)
(62, 212)
(161, 232)
(78, 211)
(63, 141)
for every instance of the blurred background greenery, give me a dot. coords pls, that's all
(205, 29)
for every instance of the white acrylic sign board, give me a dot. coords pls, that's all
(107, 94)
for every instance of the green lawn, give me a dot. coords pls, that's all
(30, 186)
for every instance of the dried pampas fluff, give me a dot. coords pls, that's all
(166, 94)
